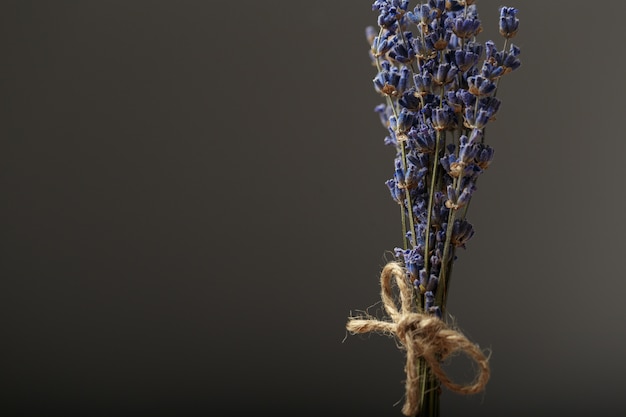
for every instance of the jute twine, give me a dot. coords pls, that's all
(422, 336)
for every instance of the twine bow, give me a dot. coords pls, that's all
(422, 336)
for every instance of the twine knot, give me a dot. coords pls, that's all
(422, 336)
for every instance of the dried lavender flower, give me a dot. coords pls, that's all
(438, 84)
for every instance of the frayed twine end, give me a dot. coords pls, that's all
(422, 336)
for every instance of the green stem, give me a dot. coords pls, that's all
(431, 198)
(431, 190)
(392, 105)
(506, 42)
(405, 242)
(430, 392)
(408, 197)
(444, 272)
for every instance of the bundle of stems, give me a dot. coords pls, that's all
(439, 87)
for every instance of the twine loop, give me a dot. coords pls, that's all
(422, 336)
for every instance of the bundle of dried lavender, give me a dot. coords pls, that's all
(439, 85)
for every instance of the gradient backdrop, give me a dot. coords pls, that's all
(193, 203)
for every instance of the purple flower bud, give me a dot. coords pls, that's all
(462, 231)
(481, 119)
(465, 60)
(433, 281)
(403, 82)
(490, 105)
(467, 149)
(445, 73)
(405, 121)
(401, 53)
(416, 170)
(484, 156)
(491, 71)
(380, 46)
(393, 124)
(426, 138)
(398, 175)
(423, 83)
(474, 120)
(480, 86)
(422, 14)
(490, 51)
(452, 195)
(466, 28)
(397, 194)
(466, 195)
(509, 23)
(442, 118)
(510, 61)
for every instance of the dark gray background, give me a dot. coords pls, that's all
(193, 202)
